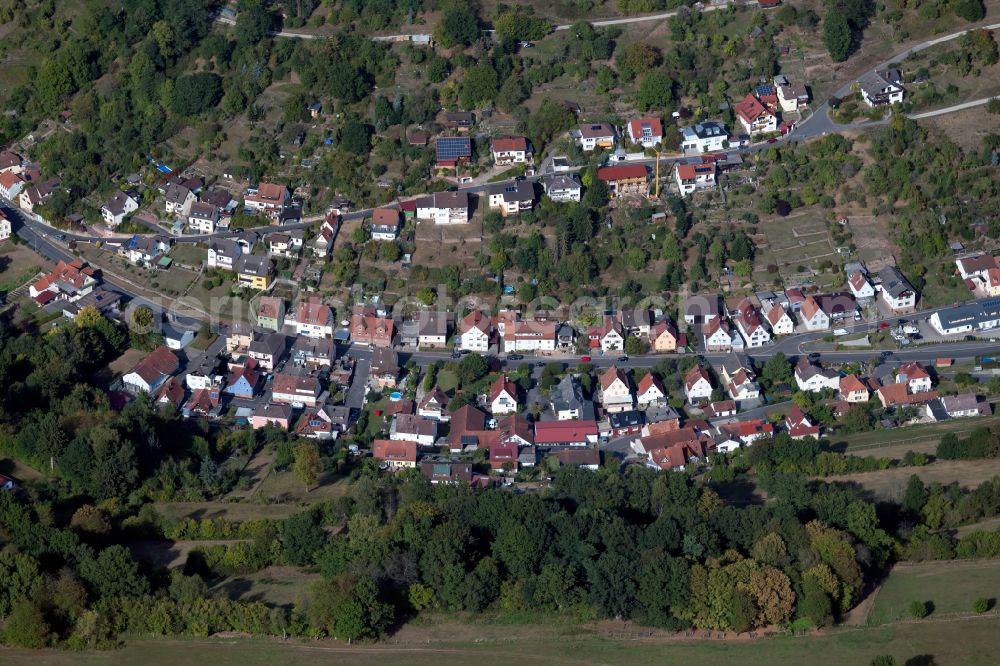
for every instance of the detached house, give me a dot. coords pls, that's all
(813, 316)
(372, 330)
(596, 135)
(243, 380)
(395, 454)
(453, 150)
(322, 245)
(444, 208)
(755, 117)
(624, 179)
(67, 281)
(896, 291)
(314, 319)
(647, 132)
(799, 425)
(610, 336)
(853, 390)
(118, 206)
(511, 198)
(704, 137)
(203, 217)
(693, 177)
(152, 372)
(10, 185)
(635, 321)
(914, 376)
(268, 350)
(881, 87)
(33, 195)
(562, 187)
(779, 320)
(616, 391)
(739, 379)
(502, 396)
(433, 405)
(511, 150)
(813, 379)
(474, 332)
(385, 367)
(223, 253)
(277, 416)
(697, 385)
(860, 287)
(531, 335)
(254, 272)
(792, 97)
(268, 198)
(567, 400)
(717, 335)
(650, 391)
(751, 326)
(295, 390)
(271, 313)
(663, 336)
(413, 428)
(385, 224)
(178, 200)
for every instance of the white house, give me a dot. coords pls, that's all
(410, 427)
(511, 150)
(738, 377)
(915, 377)
(444, 208)
(882, 86)
(314, 319)
(861, 287)
(178, 200)
(792, 96)
(697, 385)
(385, 224)
(693, 177)
(717, 335)
(117, 207)
(610, 336)
(223, 253)
(616, 391)
(751, 326)
(755, 117)
(896, 291)
(597, 135)
(813, 379)
(779, 320)
(152, 371)
(502, 396)
(813, 316)
(203, 217)
(5, 228)
(650, 391)
(562, 187)
(647, 132)
(511, 198)
(474, 332)
(10, 185)
(704, 137)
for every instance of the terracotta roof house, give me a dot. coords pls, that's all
(314, 318)
(475, 331)
(69, 281)
(372, 330)
(511, 150)
(565, 433)
(295, 390)
(813, 316)
(468, 429)
(268, 198)
(395, 454)
(171, 394)
(385, 223)
(663, 336)
(645, 131)
(203, 402)
(799, 425)
(650, 390)
(853, 390)
(434, 405)
(616, 390)
(624, 179)
(755, 117)
(895, 395)
(503, 456)
(697, 385)
(502, 396)
(748, 431)
(151, 372)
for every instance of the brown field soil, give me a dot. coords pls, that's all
(18, 265)
(890, 484)
(966, 128)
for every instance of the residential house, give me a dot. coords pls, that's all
(636, 321)
(588, 457)
(277, 416)
(978, 315)
(663, 336)
(268, 198)
(205, 376)
(596, 135)
(697, 385)
(813, 316)
(881, 87)
(239, 337)
(223, 253)
(701, 309)
(452, 151)
(444, 208)
(35, 194)
(503, 456)
(434, 405)
(322, 245)
(624, 179)
(975, 266)
(751, 326)
(151, 372)
(244, 380)
(616, 391)
(10, 161)
(171, 394)
(203, 402)
(748, 432)
(793, 97)
(144, 250)
(468, 430)
(531, 335)
(647, 132)
(370, 329)
(898, 294)
(385, 224)
(609, 336)
(738, 378)
(779, 320)
(626, 422)
(897, 395)
(271, 313)
(704, 137)
(813, 379)
(67, 281)
(515, 429)
(203, 217)
(860, 287)
(460, 120)
(10, 185)
(755, 117)
(384, 367)
(693, 177)
(313, 353)
(567, 401)
(720, 409)
(565, 433)
(799, 425)
(314, 318)
(107, 303)
(395, 454)
(176, 338)
(853, 390)
(965, 405)
(474, 332)
(670, 450)
(5, 227)
(916, 378)
(254, 271)
(282, 245)
(426, 330)
(511, 150)
(650, 391)
(414, 428)
(562, 187)
(992, 282)
(295, 390)
(449, 471)
(268, 350)
(502, 396)
(511, 198)
(178, 200)
(117, 207)
(717, 335)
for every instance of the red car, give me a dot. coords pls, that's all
(584, 359)
(884, 324)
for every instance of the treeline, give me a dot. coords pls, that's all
(810, 457)
(982, 442)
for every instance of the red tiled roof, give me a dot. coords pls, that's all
(510, 144)
(559, 432)
(622, 172)
(475, 319)
(161, 361)
(394, 450)
(502, 384)
(654, 124)
(692, 171)
(750, 109)
(648, 381)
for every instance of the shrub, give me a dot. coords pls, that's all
(982, 605)
(918, 610)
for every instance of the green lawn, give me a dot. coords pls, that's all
(951, 587)
(230, 510)
(949, 643)
(868, 443)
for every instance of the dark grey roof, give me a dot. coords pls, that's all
(709, 129)
(960, 403)
(258, 266)
(970, 314)
(894, 282)
(520, 190)
(561, 182)
(567, 394)
(873, 83)
(177, 194)
(272, 344)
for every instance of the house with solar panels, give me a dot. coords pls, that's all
(453, 150)
(704, 137)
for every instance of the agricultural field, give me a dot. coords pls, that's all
(18, 265)
(872, 443)
(802, 249)
(948, 588)
(890, 484)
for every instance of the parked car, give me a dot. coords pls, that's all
(622, 359)
(514, 357)
(883, 325)
(584, 359)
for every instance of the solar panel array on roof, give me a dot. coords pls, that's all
(450, 148)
